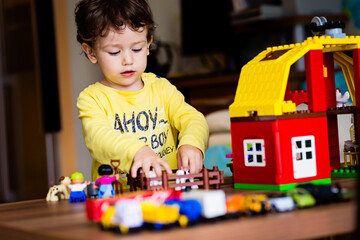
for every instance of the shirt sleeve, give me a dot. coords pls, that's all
(191, 124)
(102, 140)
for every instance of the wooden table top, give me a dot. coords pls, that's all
(38, 219)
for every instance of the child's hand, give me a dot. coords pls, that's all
(146, 158)
(190, 157)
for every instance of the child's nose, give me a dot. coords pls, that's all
(127, 58)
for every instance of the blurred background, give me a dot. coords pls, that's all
(199, 45)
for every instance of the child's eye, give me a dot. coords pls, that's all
(114, 53)
(137, 49)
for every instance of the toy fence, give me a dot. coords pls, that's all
(353, 157)
(205, 179)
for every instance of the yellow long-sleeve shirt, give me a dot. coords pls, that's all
(116, 124)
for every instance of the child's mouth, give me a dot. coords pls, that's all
(128, 73)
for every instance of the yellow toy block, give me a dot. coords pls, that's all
(263, 80)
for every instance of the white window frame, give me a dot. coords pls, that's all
(304, 166)
(303, 150)
(254, 152)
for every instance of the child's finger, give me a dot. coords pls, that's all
(185, 163)
(166, 166)
(193, 167)
(146, 169)
(157, 169)
(134, 170)
(200, 165)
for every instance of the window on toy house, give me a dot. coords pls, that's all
(304, 157)
(303, 148)
(254, 152)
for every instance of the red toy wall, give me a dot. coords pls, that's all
(277, 135)
(316, 126)
(253, 130)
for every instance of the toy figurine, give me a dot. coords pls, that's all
(341, 99)
(184, 180)
(77, 187)
(104, 183)
(92, 191)
(60, 191)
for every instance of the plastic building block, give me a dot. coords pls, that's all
(157, 209)
(159, 215)
(234, 203)
(164, 209)
(282, 187)
(349, 172)
(333, 137)
(213, 203)
(95, 207)
(263, 80)
(128, 215)
(190, 209)
(274, 146)
(297, 97)
(278, 170)
(315, 80)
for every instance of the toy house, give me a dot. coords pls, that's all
(276, 147)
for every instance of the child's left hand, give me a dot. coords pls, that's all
(190, 158)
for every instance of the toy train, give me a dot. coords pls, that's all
(167, 208)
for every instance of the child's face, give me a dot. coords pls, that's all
(122, 57)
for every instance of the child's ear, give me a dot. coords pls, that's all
(148, 46)
(89, 52)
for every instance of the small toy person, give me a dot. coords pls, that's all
(104, 183)
(92, 191)
(77, 187)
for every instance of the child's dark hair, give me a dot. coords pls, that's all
(105, 169)
(94, 18)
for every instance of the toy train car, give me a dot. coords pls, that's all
(95, 207)
(213, 203)
(158, 209)
(168, 208)
(124, 216)
(248, 204)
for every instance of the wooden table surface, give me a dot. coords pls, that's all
(38, 219)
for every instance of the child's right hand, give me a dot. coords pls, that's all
(146, 158)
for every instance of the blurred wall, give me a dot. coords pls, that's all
(82, 73)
